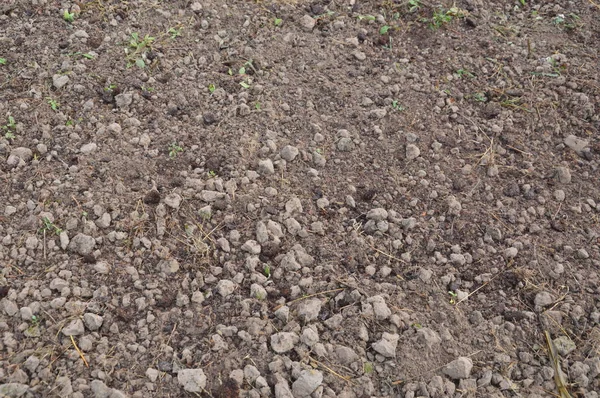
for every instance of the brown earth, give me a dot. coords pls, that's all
(241, 198)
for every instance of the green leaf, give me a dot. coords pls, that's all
(88, 56)
(384, 29)
(278, 21)
(244, 84)
(211, 88)
(140, 63)
(3, 61)
(242, 71)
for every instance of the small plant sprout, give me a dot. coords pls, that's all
(367, 17)
(212, 174)
(3, 61)
(212, 88)
(174, 32)
(523, 2)
(414, 5)
(368, 367)
(257, 106)
(68, 16)
(396, 106)
(174, 150)
(479, 97)
(453, 297)
(10, 128)
(139, 48)
(244, 84)
(54, 105)
(267, 270)
(384, 29)
(463, 72)
(278, 21)
(49, 226)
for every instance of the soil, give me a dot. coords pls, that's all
(264, 198)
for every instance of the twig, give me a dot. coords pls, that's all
(387, 254)
(79, 352)
(333, 372)
(309, 296)
(558, 374)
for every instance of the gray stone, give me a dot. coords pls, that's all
(345, 355)
(59, 81)
(428, 337)
(173, 200)
(307, 23)
(258, 292)
(64, 240)
(82, 244)
(564, 345)
(23, 153)
(10, 307)
(308, 310)
(412, 152)
(31, 243)
(88, 148)
(307, 383)
(282, 390)
(543, 299)
(251, 373)
(293, 206)
(576, 144)
(563, 175)
(459, 368)
(262, 233)
(13, 390)
(252, 247)
(559, 195)
(511, 252)
(289, 153)
(192, 380)
(380, 308)
(377, 214)
(266, 167)
(26, 313)
(92, 321)
(123, 100)
(283, 342)
(345, 144)
(386, 346)
(225, 287)
(75, 328)
(152, 374)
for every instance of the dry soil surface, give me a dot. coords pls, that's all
(351, 198)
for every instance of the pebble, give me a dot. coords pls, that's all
(543, 299)
(252, 247)
(82, 244)
(283, 342)
(563, 175)
(559, 195)
(377, 214)
(510, 252)
(152, 374)
(92, 321)
(308, 381)
(386, 346)
(266, 167)
(88, 148)
(359, 55)
(75, 328)
(564, 345)
(173, 200)
(225, 287)
(123, 100)
(13, 390)
(459, 368)
(412, 152)
(345, 144)
(192, 380)
(308, 310)
(282, 390)
(380, 308)
(22, 153)
(59, 81)
(428, 337)
(289, 153)
(307, 23)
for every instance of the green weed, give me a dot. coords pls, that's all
(3, 61)
(138, 47)
(414, 5)
(277, 21)
(174, 150)
(396, 106)
(68, 16)
(54, 105)
(49, 226)
(174, 32)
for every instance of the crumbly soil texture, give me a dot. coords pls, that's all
(355, 198)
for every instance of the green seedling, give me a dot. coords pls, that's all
(367, 17)
(453, 297)
(212, 174)
(242, 70)
(384, 29)
(54, 105)
(174, 150)
(139, 46)
(3, 61)
(463, 72)
(68, 16)
(244, 84)
(10, 128)
(267, 270)
(396, 106)
(523, 2)
(439, 18)
(417, 325)
(110, 87)
(257, 106)
(368, 368)
(212, 88)
(278, 21)
(49, 226)
(479, 97)
(174, 32)
(35, 320)
(70, 122)
(414, 5)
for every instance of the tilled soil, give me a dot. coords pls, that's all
(338, 199)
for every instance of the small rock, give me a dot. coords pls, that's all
(123, 100)
(563, 175)
(307, 383)
(283, 342)
(543, 299)
(192, 380)
(293, 206)
(412, 152)
(559, 195)
(225, 287)
(307, 23)
(282, 390)
(266, 167)
(345, 355)
(576, 144)
(309, 310)
(173, 200)
(428, 337)
(380, 308)
(13, 390)
(359, 55)
(564, 345)
(82, 244)
(22, 153)
(59, 81)
(511, 252)
(152, 374)
(459, 368)
(88, 148)
(387, 345)
(75, 328)
(251, 246)
(92, 321)
(345, 144)
(289, 152)
(377, 214)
